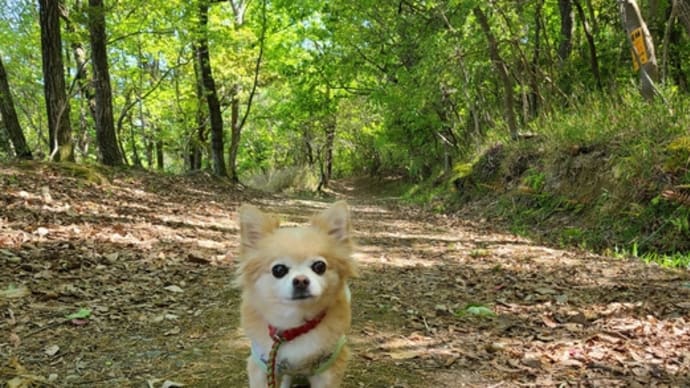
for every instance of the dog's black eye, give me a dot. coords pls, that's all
(279, 270)
(319, 267)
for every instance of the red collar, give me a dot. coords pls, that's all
(290, 334)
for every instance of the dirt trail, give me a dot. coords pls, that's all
(441, 301)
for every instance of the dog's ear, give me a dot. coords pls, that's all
(335, 221)
(254, 225)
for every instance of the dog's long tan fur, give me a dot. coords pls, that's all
(264, 302)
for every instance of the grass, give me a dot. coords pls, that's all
(612, 171)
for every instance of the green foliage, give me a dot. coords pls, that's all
(291, 179)
(608, 172)
(407, 88)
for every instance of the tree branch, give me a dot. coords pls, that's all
(257, 67)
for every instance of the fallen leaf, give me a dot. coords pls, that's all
(81, 314)
(51, 350)
(550, 323)
(477, 310)
(174, 331)
(13, 292)
(174, 288)
(15, 340)
(171, 384)
(531, 360)
(404, 354)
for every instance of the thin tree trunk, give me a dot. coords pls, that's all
(159, 155)
(567, 24)
(684, 14)
(502, 69)
(105, 128)
(9, 118)
(204, 59)
(198, 138)
(667, 39)
(5, 145)
(236, 131)
(87, 101)
(593, 61)
(87, 97)
(534, 97)
(237, 127)
(136, 160)
(328, 150)
(57, 105)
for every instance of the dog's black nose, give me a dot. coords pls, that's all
(300, 282)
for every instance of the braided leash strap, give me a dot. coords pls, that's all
(282, 336)
(272, 359)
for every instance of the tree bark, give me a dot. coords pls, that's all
(593, 60)
(87, 99)
(159, 155)
(57, 105)
(105, 128)
(5, 145)
(328, 151)
(204, 59)
(239, 8)
(684, 14)
(567, 23)
(236, 131)
(198, 137)
(502, 69)
(639, 37)
(9, 118)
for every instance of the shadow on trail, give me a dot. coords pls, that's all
(156, 271)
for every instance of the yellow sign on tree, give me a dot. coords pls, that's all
(640, 50)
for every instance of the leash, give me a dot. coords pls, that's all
(280, 337)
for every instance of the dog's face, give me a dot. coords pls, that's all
(297, 266)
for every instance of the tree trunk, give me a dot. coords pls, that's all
(136, 160)
(239, 8)
(87, 97)
(159, 155)
(502, 69)
(236, 131)
(9, 117)
(209, 84)
(198, 137)
(57, 105)
(5, 145)
(567, 23)
(328, 151)
(593, 61)
(644, 58)
(684, 14)
(534, 97)
(105, 128)
(87, 101)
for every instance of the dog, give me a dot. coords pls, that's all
(295, 297)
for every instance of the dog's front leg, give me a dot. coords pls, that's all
(286, 381)
(328, 379)
(257, 377)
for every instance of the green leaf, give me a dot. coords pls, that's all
(481, 311)
(477, 310)
(81, 314)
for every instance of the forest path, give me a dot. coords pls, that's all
(441, 301)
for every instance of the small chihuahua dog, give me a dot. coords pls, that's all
(295, 297)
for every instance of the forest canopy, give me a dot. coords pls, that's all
(245, 87)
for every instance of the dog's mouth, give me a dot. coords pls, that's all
(301, 295)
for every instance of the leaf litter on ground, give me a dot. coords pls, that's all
(151, 258)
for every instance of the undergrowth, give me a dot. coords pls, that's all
(611, 174)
